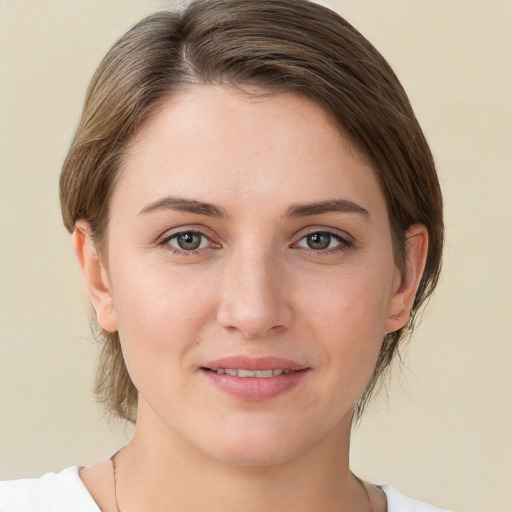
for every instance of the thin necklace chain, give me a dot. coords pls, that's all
(119, 510)
(115, 479)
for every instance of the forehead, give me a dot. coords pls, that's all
(215, 142)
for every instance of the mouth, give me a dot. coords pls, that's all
(246, 366)
(244, 373)
(254, 379)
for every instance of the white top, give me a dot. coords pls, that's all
(65, 492)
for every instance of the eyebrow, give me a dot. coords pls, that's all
(332, 206)
(295, 210)
(185, 205)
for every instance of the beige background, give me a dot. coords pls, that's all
(443, 433)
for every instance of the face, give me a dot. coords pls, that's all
(250, 275)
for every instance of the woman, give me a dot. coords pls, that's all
(257, 217)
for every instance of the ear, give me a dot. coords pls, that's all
(95, 276)
(407, 282)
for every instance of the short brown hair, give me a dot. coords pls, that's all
(278, 45)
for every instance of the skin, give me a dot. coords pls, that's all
(254, 287)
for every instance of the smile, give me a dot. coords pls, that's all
(254, 379)
(260, 374)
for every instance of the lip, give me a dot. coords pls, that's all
(254, 389)
(254, 363)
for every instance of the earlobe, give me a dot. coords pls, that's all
(402, 300)
(95, 276)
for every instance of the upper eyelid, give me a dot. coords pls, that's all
(172, 233)
(164, 241)
(344, 235)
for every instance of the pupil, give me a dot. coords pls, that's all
(319, 240)
(189, 241)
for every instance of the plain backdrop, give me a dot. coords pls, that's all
(442, 430)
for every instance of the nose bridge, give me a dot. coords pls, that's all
(254, 298)
(256, 275)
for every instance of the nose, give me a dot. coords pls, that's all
(255, 298)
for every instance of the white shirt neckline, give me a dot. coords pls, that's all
(65, 491)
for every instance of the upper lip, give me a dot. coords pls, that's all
(254, 363)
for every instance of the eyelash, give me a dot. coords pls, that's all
(183, 252)
(345, 242)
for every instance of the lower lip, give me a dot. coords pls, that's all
(255, 389)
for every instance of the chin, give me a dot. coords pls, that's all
(257, 449)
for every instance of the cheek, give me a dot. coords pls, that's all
(160, 309)
(353, 303)
(348, 315)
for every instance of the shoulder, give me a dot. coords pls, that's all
(53, 492)
(397, 502)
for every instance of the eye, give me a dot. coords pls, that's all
(323, 241)
(188, 241)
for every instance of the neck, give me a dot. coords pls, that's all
(157, 470)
